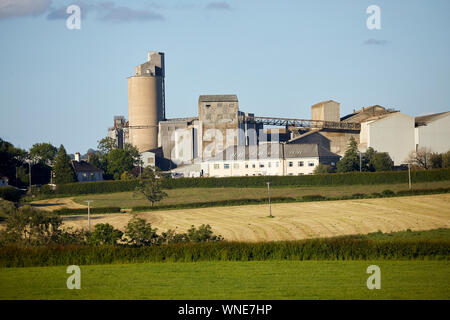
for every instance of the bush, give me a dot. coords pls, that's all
(359, 196)
(387, 193)
(104, 234)
(314, 197)
(10, 193)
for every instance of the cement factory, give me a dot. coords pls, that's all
(224, 141)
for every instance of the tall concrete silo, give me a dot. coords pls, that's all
(146, 102)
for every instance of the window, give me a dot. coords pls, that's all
(291, 174)
(277, 164)
(246, 166)
(216, 166)
(253, 165)
(269, 164)
(333, 164)
(261, 165)
(301, 163)
(311, 164)
(290, 164)
(236, 166)
(226, 166)
(300, 174)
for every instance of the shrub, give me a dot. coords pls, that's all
(140, 233)
(359, 196)
(314, 197)
(10, 193)
(388, 193)
(202, 234)
(104, 234)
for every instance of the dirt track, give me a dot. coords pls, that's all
(299, 220)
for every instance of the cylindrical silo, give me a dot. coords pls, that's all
(146, 102)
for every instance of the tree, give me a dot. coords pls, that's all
(202, 234)
(119, 161)
(11, 159)
(140, 233)
(44, 153)
(436, 160)
(106, 145)
(104, 233)
(350, 161)
(150, 185)
(380, 161)
(446, 160)
(324, 169)
(63, 170)
(421, 158)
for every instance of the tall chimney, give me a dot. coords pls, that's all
(77, 156)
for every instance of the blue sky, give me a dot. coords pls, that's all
(280, 57)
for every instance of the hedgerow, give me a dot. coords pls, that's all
(73, 211)
(343, 248)
(351, 178)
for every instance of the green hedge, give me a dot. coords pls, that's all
(351, 178)
(66, 211)
(222, 203)
(343, 248)
(10, 193)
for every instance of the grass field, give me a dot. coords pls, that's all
(178, 196)
(294, 221)
(233, 280)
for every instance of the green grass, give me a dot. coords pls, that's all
(233, 280)
(441, 234)
(193, 195)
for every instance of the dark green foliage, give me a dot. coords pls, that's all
(140, 233)
(350, 161)
(43, 153)
(359, 196)
(314, 197)
(446, 160)
(104, 234)
(202, 234)
(340, 248)
(62, 168)
(222, 203)
(381, 161)
(119, 161)
(436, 160)
(150, 185)
(10, 159)
(350, 178)
(324, 169)
(388, 193)
(77, 211)
(10, 193)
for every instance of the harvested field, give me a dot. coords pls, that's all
(294, 221)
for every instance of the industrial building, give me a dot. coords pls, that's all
(202, 144)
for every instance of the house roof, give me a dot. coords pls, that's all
(157, 151)
(218, 98)
(83, 166)
(307, 150)
(425, 119)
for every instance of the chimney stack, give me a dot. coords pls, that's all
(77, 156)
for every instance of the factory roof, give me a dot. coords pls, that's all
(83, 166)
(218, 98)
(273, 151)
(322, 102)
(424, 120)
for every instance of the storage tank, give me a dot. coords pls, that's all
(146, 102)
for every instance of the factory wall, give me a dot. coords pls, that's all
(393, 133)
(434, 136)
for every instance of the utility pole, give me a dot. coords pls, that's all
(409, 175)
(268, 193)
(89, 213)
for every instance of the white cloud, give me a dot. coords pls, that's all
(20, 8)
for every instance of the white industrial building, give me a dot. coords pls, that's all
(392, 133)
(432, 132)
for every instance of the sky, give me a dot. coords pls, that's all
(280, 57)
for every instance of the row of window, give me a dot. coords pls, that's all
(253, 165)
(301, 164)
(262, 165)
